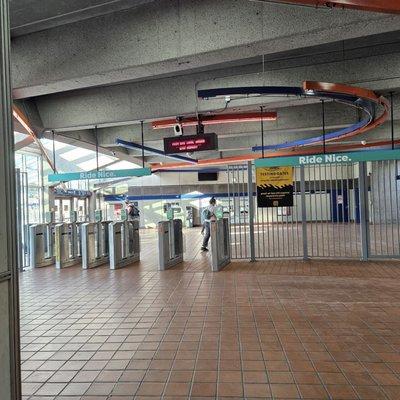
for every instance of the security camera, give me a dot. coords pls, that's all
(178, 129)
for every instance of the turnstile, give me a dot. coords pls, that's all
(41, 245)
(66, 245)
(170, 243)
(220, 244)
(79, 238)
(124, 243)
(94, 244)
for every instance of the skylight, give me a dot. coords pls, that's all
(92, 164)
(48, 144)
(123, 165)
(74, 154)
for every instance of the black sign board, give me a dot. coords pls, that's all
(190, 143)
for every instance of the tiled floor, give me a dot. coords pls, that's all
(277, 329)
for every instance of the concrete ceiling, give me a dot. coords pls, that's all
(80, 64)
(28, 16)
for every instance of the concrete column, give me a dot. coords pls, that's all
(9, 317)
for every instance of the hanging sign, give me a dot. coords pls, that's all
(105, 174)
(190, 143)
(274, 186)
(59, 192)
(331, 158)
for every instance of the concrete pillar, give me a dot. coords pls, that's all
(9, 317)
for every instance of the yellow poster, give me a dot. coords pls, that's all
(274, 186)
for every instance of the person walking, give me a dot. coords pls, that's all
(208, 215)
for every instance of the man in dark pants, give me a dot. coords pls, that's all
(209, 215)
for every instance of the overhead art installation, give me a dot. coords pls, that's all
(373, 110)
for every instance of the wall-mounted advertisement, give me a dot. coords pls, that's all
(274, 186)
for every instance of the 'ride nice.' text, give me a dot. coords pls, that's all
(324, 159)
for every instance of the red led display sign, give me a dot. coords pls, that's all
(190, 143)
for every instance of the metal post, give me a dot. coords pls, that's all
(391, 119)
(97, 148)
(10, 378)
(251, 210)
(364, 225)
(20, 223)
(141, 126)
(54, 150)
(303, 211)
(323, 126)
(262, 130)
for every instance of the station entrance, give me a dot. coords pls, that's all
(347, 210)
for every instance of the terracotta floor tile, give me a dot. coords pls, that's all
(392, 392)
(153, 375)
(98, 389)
(204, 389)
(342, 392)
(255, 377)
(230, 376)
(29, 388)
(150, 389)
(230, 389)
(386, 379)
(313, 392)
(50, 389)
(280, 377)
(205, 376)
(310, 378)
(284, 391)
(132, 376)
(206, 365)
(370, 392)
(360, 379)
(184, 364)
(181, 376)
(255, 390)
(137, 333)
(177, 389)
(333, 378)
(75, 389)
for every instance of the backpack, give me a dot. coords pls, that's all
(131, 211)
(206, 213)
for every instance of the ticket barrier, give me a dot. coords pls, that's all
(66, 245)
(170, 243)
(41, 245)
(220, 244)
(94, 244)
(79, 238)
(124, 243)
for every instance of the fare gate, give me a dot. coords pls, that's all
(124, 243)
(170, 243)
(220, 244)
(94, 244)
(346, 210)
(41, 245)
(66, 245)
